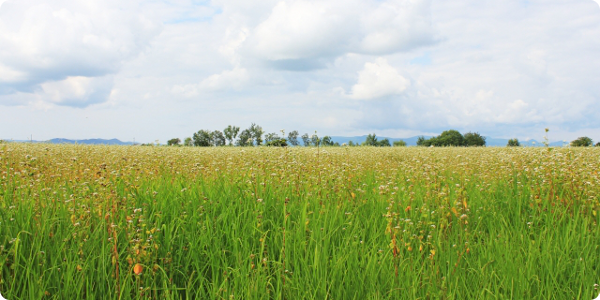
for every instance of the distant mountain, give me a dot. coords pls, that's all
(412, 141)
(89, 142)
(84, 142)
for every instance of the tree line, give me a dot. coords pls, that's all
(254, 135)
(251, 136)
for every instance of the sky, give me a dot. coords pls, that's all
(160, 69)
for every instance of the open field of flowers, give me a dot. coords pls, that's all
(116, 222)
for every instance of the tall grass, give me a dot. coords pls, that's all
(102, 222)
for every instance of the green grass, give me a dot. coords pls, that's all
(329, 223)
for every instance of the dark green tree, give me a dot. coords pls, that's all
(306, 140)
(279, 142)
(513, 143)
(202, 138)
(293, 137)
(231, 133)
(174, 142)
(449, 138)
(271, 137)
(474, 139)
(257, 133)
(314, 140)
(583, 141)
(326, 141)
(399, 143)
(188, 142)
(371, 140)
(245, 138)
(421, 141)
(218, 138)
(384, 143)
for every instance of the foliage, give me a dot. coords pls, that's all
(174, 142)
(245, 138)
(279, 142)
(218, 138)
(202, 138)
(399, 143)
(271, 137)
(474, 139)
(306, 140)
(188, 142)
(293, 137)
(448, 138)
(314, 140)
(582, 142)
(598, 144)
(257, 133)
(371, 140)
(513, 143)
(231, 133)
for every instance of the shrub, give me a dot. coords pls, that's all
(513, 143)
(583, 141)
(400, 143)
(474, 139)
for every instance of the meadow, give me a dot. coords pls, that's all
(121, 222)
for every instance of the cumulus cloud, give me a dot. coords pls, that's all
(377, 80)
(44, 42)
(306, 35)
(226, 80)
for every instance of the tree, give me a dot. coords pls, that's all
(513, 143)
(583, 141)
(202, 138)
(314, 140)
(257, 133)
(217, 138)
(188, 142)
(326, 141)
(279, 142)
(449, 138)
(371, 140)
(269, 137)
(399, 143)
(384, 143)
(474, 139)
(305, 140)
(350, 143)
(174, 142)
(245, 138)
(421, 141)
(598, 144)
(293, 138)
(231, 133)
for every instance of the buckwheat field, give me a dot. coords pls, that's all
(124, 222)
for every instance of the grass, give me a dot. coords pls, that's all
(80, 222)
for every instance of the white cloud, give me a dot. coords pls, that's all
(46, 42)
(227, 80)
(377, 80)
(77, 91)
(306, 34)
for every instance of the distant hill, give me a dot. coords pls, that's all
(84, 142)
(90, 142)
(412, 141)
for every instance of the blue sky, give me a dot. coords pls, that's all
(155, 70)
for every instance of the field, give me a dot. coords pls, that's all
(118, 222)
